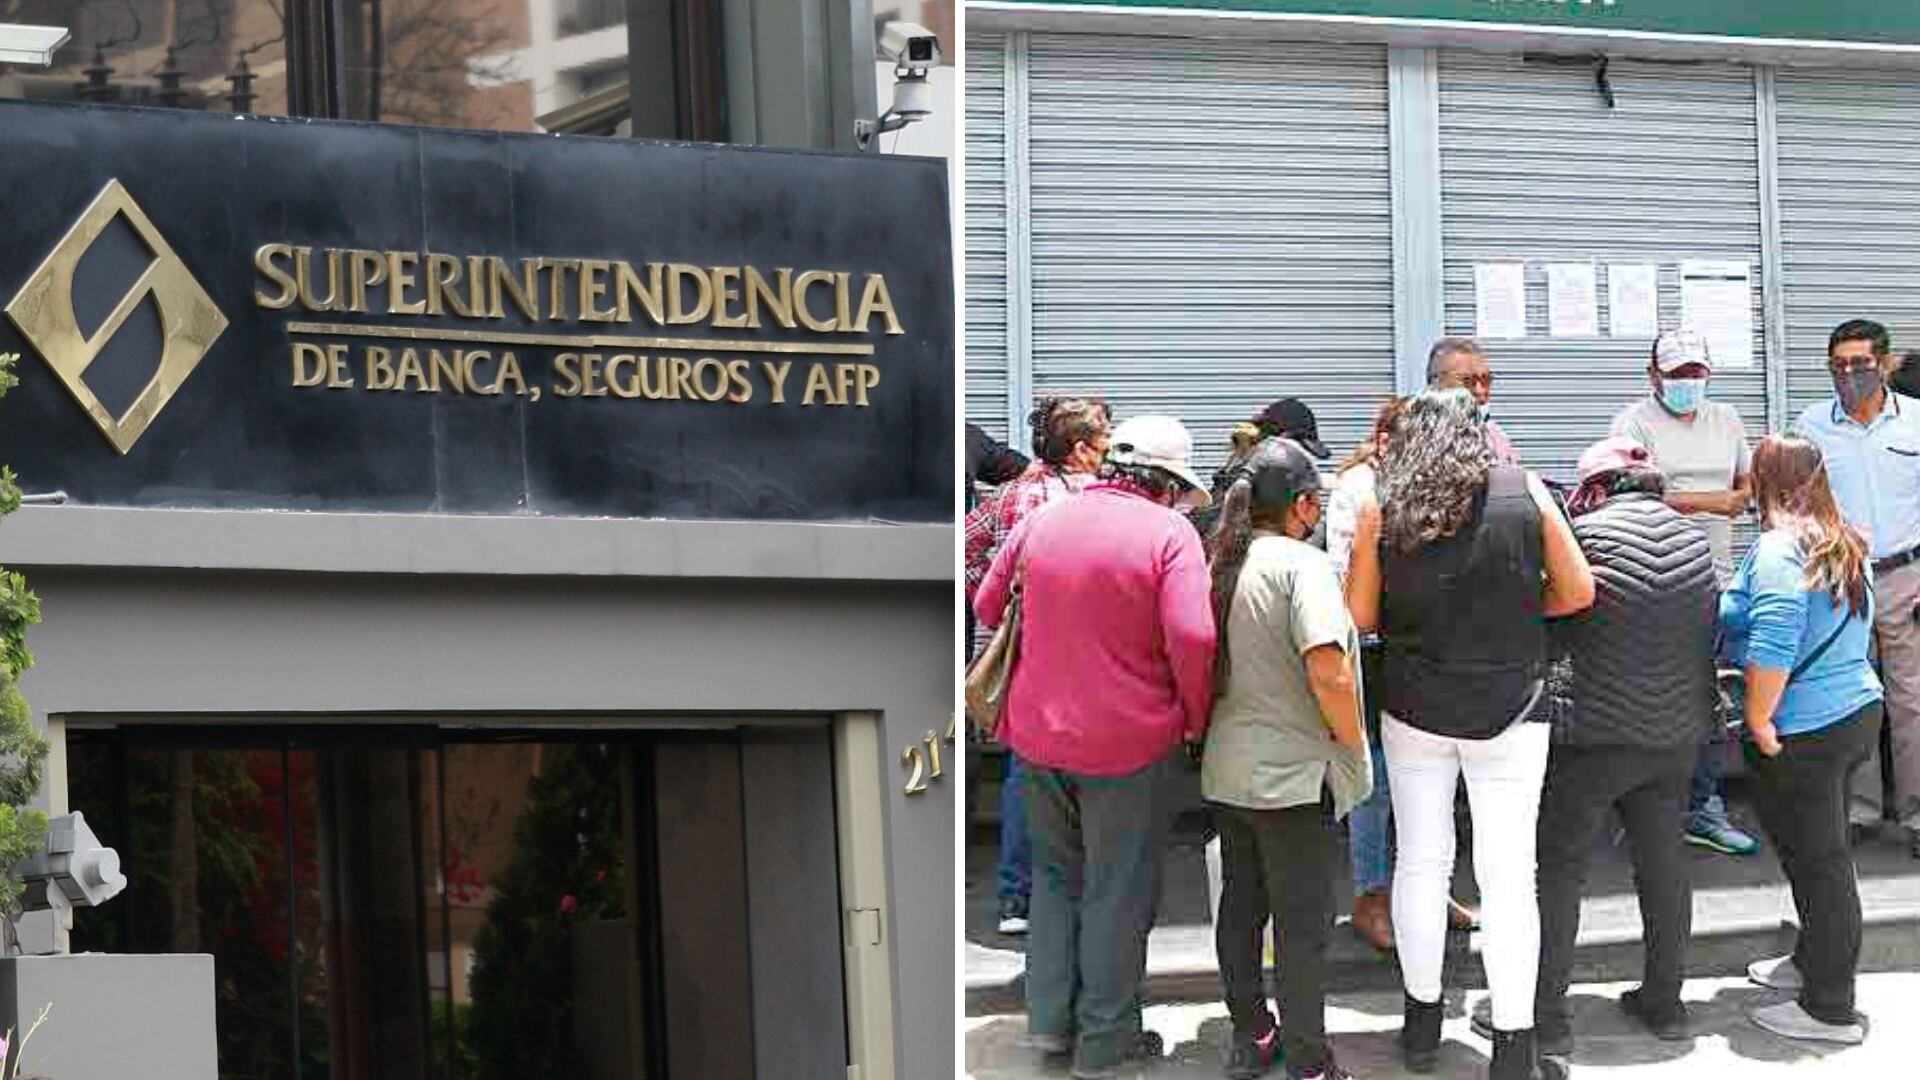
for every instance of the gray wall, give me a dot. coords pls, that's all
(134, 642)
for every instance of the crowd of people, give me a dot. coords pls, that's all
(1341, 659)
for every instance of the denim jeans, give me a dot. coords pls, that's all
(1707, 805)
(1370, 830)
(1370, 824)
(1016, 845)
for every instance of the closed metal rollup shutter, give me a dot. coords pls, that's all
(1537, 169)
(1849, 212)
(987, 374)
(1212, 229)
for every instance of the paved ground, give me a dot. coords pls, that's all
(1740, 907)
(1362, 1026)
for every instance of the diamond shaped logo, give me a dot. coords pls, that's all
(189, 321)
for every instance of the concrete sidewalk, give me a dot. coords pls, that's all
(1363, 1026)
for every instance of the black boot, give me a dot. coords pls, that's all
(1420, 1036)
(1516, 1056)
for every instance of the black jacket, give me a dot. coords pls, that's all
(1642, 656)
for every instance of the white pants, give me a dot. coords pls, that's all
(1504, 775)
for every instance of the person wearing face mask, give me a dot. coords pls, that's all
(1458, 363)
(1869, 436)
(1702, 449)
(1115, 674)
(1286, 756)
(1069, 439)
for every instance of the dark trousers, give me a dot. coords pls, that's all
(1097, 848)
(1802, 797)
(1278, 862)
(1650, 788)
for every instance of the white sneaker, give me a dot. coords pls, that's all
(1776, 974)
(1012, 925)
(1789, 1019)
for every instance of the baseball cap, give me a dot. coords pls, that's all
(1280, 471)
(1676, 349)
(1294, 420)
(1161, 442)
(1612, 454)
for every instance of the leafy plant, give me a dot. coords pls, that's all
(566, 869)
(22, 749)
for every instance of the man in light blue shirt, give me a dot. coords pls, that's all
(1870, 438)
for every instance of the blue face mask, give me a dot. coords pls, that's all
(1683, 396)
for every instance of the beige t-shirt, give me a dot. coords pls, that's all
(1267, 746)
(1706, 453)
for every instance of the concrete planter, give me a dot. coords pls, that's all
(112, 1016)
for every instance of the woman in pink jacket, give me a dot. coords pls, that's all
(1115, 673)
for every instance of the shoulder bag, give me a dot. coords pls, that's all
(991, 674)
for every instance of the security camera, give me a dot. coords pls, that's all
(912, 47)
(75, 870)
(915, 52)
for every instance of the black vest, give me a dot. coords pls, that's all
(1463, 621)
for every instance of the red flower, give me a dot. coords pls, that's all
(568, 905)
(599, 877)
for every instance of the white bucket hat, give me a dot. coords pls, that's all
(1161, 442)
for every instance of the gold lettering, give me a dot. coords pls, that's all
(569, 384)
(477, 289)
(303, 277)
(309, 364)
(630, 287)
(868, 377)
(818, 384)
(726, 288)
(777, 378)
(400, 278)
(338, 376)
(443, 282)
(678, 274)
(682, 379)
(439, 365)
(840, 303)
(410, 368)
(622, 387)
(364, 269)
(522, 291)
(875, 299)
(708, 365)
(779, 302)
(742, 389)
(379, 368)
(590, 379)
(843, 379)
(263, 262)
(470, 361)
(800, 308)
(653, 378)
(593, 289)
(557, 286)
(510, 373)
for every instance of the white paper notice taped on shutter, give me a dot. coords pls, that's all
(1716, 299)
(1500, 300)
(1573, 301)
(1633, 300)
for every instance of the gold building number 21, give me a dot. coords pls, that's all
(923, 761)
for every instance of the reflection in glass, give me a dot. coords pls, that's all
(210, 55)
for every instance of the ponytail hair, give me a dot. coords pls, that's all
(1790, 487)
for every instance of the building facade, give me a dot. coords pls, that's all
(497, 588)
(1200, 207)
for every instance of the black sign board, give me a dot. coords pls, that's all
(217, 311)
